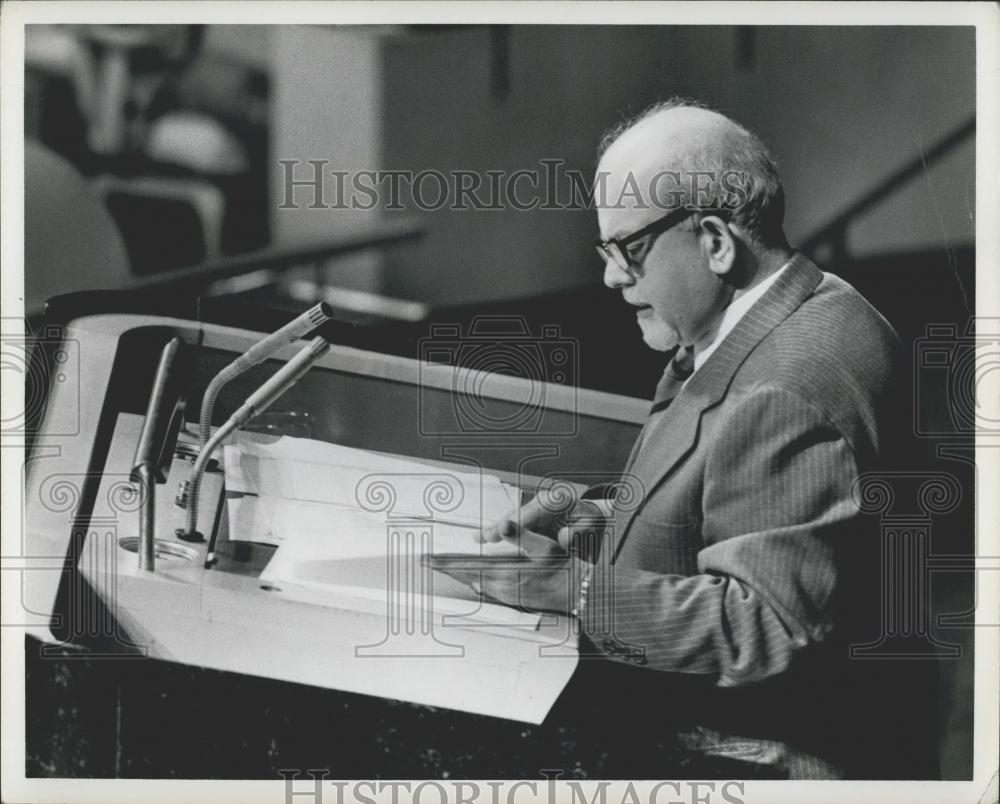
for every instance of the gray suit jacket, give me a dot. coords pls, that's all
(728, 565)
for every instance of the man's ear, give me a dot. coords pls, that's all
(718, 243)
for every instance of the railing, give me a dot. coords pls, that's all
(834, 234)
(277, 258)
(179, 292)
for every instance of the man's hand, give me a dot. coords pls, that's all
(544, 578)
(582, 530)
(577, 525)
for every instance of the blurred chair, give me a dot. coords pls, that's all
(58, 89)
(195, 141)
(71, 241)
(167, 223)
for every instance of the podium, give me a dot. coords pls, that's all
(82, 514)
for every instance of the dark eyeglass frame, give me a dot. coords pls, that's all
(617, 247)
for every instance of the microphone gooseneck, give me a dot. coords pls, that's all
(256, 403)
(260, 351)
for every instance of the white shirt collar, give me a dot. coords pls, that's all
(731, 317)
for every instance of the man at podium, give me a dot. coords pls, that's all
(738, 582)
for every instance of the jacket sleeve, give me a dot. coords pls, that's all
(777, 496)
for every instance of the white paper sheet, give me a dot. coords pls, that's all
(316, 500)
(341, 547)
(351, 552)
(314, 471)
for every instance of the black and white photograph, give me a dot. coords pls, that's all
(487, 403)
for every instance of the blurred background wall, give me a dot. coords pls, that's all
(202, 115)
(842, 108)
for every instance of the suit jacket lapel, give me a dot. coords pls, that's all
(674, 432)
(635, 448)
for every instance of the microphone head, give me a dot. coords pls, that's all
(319, 314)
(318, 347)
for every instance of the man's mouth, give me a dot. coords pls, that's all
(642, 309)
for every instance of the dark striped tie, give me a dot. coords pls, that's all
(680, 368)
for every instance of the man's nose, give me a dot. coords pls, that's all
(614, 275)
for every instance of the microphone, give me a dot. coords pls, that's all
(260, 351)
(256, 403)
(261, 399)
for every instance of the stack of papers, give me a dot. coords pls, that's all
(351, 520)
(305, 470)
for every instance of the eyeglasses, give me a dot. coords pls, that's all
(617, 248)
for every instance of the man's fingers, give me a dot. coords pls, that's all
(583, 536)
(506, 528)
(530, 543)
(546, 508)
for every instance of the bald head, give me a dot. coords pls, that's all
(679, 154)
(663, 139)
